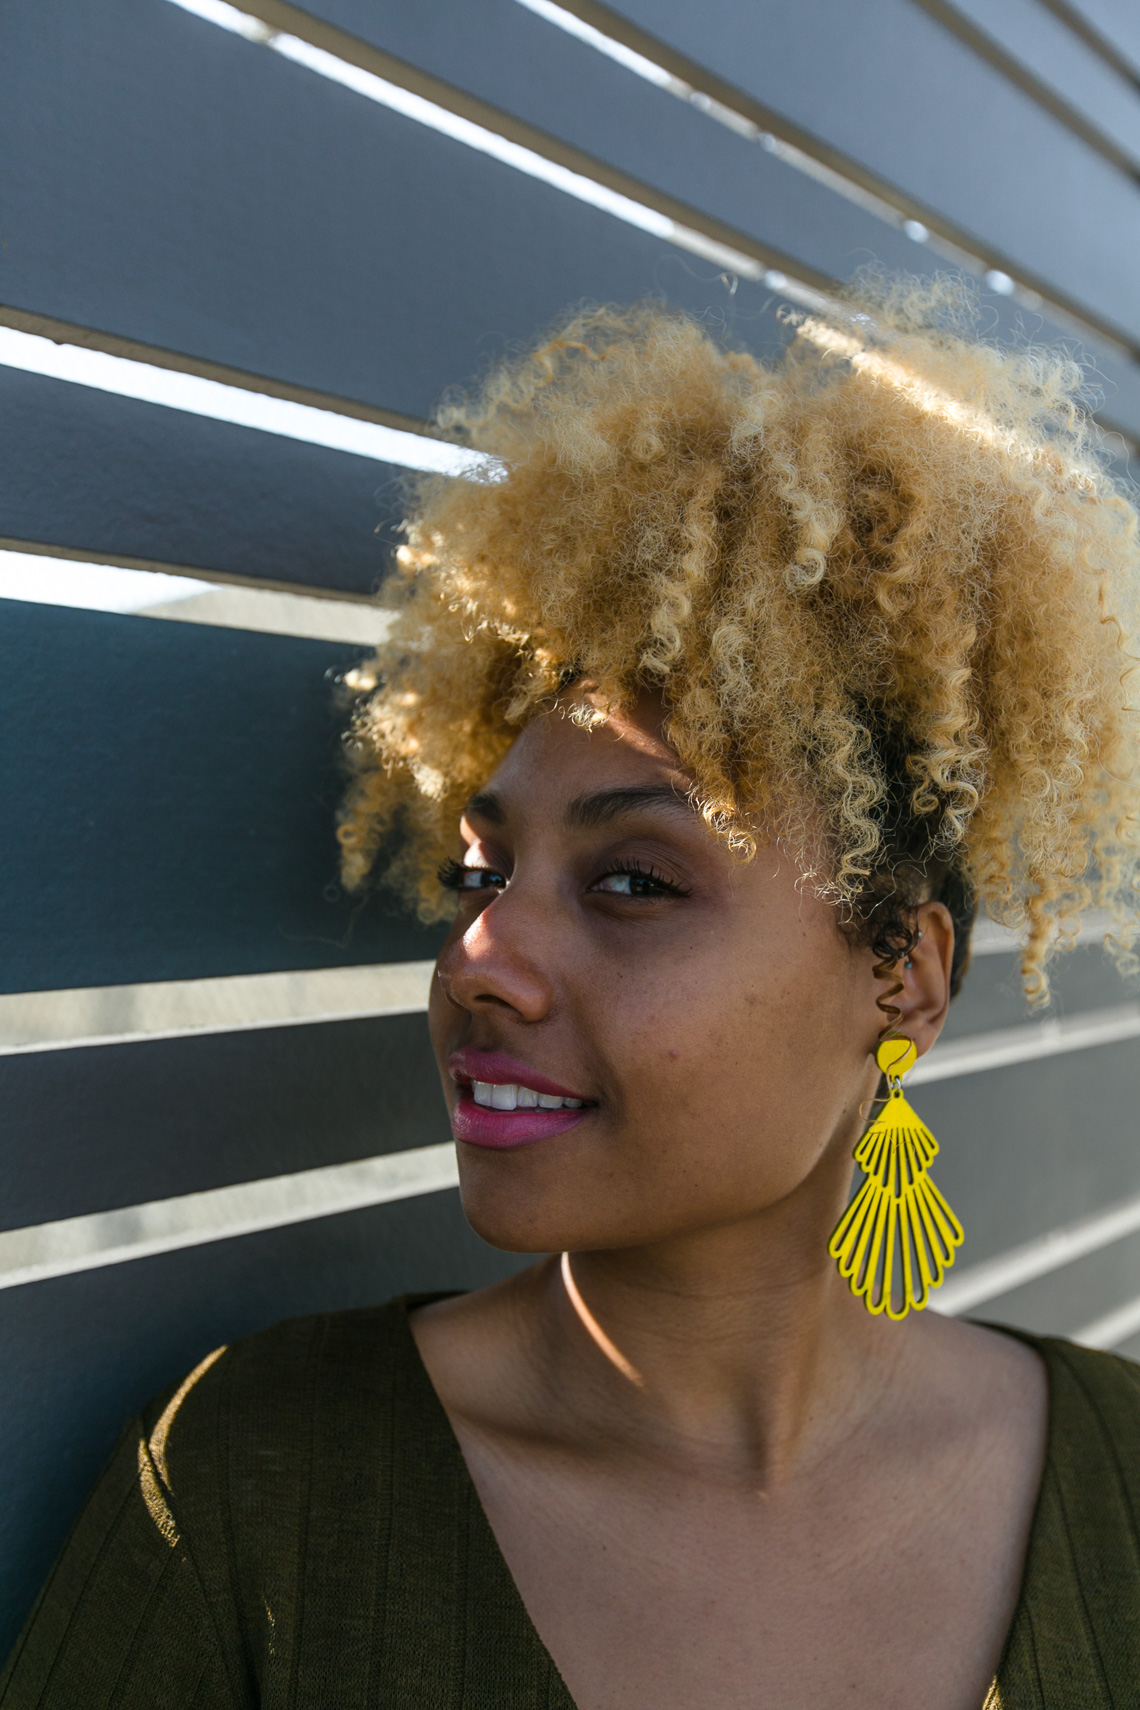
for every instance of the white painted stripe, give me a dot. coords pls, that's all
(91, 585)
(1009, 1045)
(489, 142)
(198, 396)
(175, 1009)
(193, 1219)
(1115, 1327)
(610, 46)
(968, 1288)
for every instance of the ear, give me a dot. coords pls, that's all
(925, 977)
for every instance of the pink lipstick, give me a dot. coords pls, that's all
(504, 1103)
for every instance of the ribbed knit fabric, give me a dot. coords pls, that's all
(296, 1530)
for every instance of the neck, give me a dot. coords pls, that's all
(739, 1346)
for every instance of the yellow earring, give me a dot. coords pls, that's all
(898, 1206)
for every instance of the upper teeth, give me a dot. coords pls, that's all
(514, 1097)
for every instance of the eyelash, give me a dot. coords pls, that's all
(638, 870)
(453, 874)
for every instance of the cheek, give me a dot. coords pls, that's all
(736, 1068)
(685, 1042)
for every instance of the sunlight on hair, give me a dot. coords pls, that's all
(921, 392)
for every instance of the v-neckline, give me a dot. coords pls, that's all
(1021, 1626)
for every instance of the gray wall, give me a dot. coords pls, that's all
(170, 787)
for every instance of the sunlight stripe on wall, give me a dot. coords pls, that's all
(971, 1286)
(104, 1238)
(1006, 1046)
(1112, 1328)
(176, 389)
(234, 1003)
(493, 143)
(91, 584)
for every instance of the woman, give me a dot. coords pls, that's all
(742, 686)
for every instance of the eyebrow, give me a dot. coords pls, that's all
(488, 806)
(586, 812)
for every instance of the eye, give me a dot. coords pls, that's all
(454, 876)
(631, 879)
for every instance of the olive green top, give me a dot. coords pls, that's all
(295, 1529)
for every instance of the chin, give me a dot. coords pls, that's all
(512, 1215)
(524, 1209)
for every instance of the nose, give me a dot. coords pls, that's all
(496, 964)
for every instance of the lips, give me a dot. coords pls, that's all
(504, 1103)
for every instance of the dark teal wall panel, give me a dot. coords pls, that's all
(197, 192)
(891, 88)
(176, 788)
(80, 1354)
(991, 997)
(1118, 22)
(98, 1127)
(84, 469)
(518, 62)
(525, 66)
(1065, 64)
(1071, 1299)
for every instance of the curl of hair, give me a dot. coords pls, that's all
(886, 586)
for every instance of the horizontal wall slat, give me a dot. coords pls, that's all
(87, 470)
(41, 574)
(1055, 1250)
(1074, 1298)
(1035, 1146)
(127, 1234)
(906, 97)
(83, 1016)
(1117, 22)
(523, 66)
(177, 790)
(991, 998)
(335, 226)
(92, 1130)
(82, 1353)
(504, 55)
(1057, 64)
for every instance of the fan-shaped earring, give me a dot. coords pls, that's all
(898, 1227)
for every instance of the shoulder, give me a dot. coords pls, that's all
(273, 1380)
(1089, 1387)
(1093, 1456)
(1076, 1629)
(253, 1423)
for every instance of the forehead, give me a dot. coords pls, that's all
(556, 759)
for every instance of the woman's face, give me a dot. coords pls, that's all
(707, 1013)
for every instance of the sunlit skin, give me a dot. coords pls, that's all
(769, 1498)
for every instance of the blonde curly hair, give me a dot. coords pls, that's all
(885, 585)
